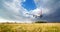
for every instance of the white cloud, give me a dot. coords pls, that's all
(13, 12)
(45, 5)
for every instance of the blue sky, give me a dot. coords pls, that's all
(29, 5)
(14, 10)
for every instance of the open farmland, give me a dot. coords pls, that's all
(31, 27)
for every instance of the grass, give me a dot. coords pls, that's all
(33, 27)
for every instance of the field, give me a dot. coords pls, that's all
(31, 27)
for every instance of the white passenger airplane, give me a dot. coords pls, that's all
(39, 14)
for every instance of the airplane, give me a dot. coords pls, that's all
(37, 15)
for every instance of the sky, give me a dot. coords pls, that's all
(15, 10)
(29, 5)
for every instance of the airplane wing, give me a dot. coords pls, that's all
(33, 15)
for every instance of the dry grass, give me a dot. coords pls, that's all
(34, 27)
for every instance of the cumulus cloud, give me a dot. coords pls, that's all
(12, 10)
(53, 8)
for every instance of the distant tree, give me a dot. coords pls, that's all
(41, 22)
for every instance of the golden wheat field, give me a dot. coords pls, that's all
(31, 27)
